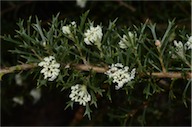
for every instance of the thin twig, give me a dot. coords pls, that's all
(12, 69)
(97, 69)
(90, 67)
(188, 75)
(131, 8)
(158, 44)
(36, 54)
(14, 7)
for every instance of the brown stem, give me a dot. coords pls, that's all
(12, 69)
(97, 69)
(171, 75)
(90, 67)
(131, 8)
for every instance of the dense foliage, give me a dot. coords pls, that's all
(114, 74)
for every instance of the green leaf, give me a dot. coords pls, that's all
(141, 118)
(111, 28)
(142, 30)
(166, 36)
(26, 37)
(94, 99)
(109, 94)
(88, 111)
(37, 27)
(69, 103)
(156, 88)
(41, 82)
(147, 91)
(152, 27)
(171, 95)
(83, 19)
(152, 63)
(97, 90)
(9, 39)
(184, 93)
(29, 25)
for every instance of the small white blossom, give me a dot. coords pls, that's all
(73, 24)
(36, 94)
(18, 80)
(124, 42)
(80, 94)
(120, 74)
(81, 3)
(179, 48)
(67, 29)
(178, 45)
(50, 68)
(44, 43)
(188, 44)
(93, 35)
(18, 100)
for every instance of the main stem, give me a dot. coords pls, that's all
(97, 69)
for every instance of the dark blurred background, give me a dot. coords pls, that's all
(49, 110)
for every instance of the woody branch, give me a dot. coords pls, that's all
(97, 69)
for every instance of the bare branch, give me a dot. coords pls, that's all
(90, 67)
(12, 69)
(188, 75)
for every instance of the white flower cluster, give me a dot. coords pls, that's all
(178, 45)
(81, 3)
(178, 48)
(80, 94)
(50, 68)
(124, 42)
(36, 94)
(67, 29)
(188, 44)
(120, 74)
(93, 35)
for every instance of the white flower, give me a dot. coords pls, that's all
(67, 29)
(18, 100)
(93, 35)
(179, 48)
(120, 74)
(36, 94)
(44, 43)
(18, 80)
(73, 24)
(50, 68)
(178, 45)
(80, 94)
(124, 42)
(188, 44)
(81, 3)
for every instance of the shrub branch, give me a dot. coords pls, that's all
(97, 69)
